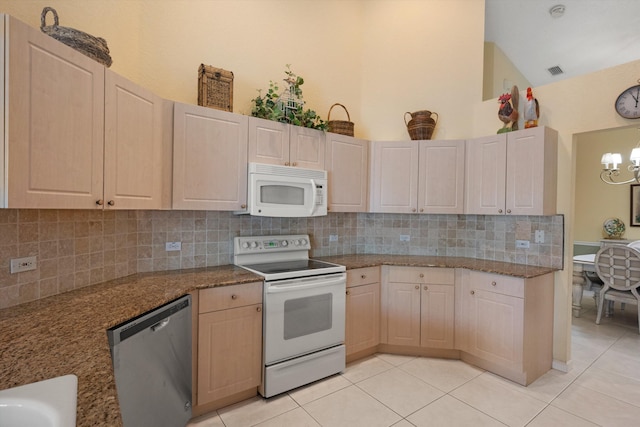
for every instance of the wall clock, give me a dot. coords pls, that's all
(628, 103)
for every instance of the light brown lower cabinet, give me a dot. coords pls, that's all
(229, 349)
(362, 334)
(418, 307)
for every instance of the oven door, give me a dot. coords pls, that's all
(303, 315)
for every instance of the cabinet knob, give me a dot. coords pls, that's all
(328, 208)
(421, 275)
(417, 286)
(286, 163)
(499, 210)
(234, 296)
(472, 292)
(294, 164)
(111, 203)
(413, 210)
(508, 210)
(100, 202)
(243, 206)
(348, 292)
(493, 283)
(258, 309)
(364, 276)
(426, 288)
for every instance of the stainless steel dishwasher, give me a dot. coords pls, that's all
(151, 357)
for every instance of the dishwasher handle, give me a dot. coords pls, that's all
(161, 324)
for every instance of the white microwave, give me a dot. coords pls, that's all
(285, 191)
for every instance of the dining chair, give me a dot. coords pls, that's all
(619, 268)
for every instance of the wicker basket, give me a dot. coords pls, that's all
(94, 47)
(215, 88)
(340, 126)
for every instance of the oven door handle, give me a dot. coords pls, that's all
(297, 286)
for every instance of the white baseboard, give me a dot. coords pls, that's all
(561, 366)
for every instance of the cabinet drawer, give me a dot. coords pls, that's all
(436, 275)
(505, 285)
(363, 276)
(224, 297)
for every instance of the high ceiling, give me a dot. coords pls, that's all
(590, 36)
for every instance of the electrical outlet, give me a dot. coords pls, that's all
(539, 236)
(524, 244)
(333, 237)
(405, 238)
(173, 246)
(19, 265)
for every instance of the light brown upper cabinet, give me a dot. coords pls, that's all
(513, 173)
(77, 136)
(285, 145)
(209, 159)
(347, 163)
(417, 176)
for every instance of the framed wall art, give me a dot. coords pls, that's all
(635, 206)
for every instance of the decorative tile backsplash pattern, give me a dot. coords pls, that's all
(77, 248)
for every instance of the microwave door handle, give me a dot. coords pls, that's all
(313, 197)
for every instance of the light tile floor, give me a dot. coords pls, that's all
(601, 389)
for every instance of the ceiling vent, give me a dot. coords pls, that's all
(555, 70)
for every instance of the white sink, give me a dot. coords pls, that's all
(48, 403)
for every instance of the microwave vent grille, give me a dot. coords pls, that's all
(287, 171)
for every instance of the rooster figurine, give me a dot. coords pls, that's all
(508, 110)
(531, 111)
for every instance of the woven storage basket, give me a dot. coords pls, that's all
(340, 126)
(94, 47)
(215, 88)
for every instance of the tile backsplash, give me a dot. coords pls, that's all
(77, 248)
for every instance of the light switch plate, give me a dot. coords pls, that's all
(173, 246)
(524, 244)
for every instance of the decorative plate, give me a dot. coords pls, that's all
(614, 228)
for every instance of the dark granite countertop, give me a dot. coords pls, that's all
(66, 333)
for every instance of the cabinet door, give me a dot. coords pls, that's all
(441, 183)
(402, 313)
(394, 177)
(437, 316)
(209, 159)
(347, 163)
(133, 151)
(55, 125)
(496, 328)
(362, 318)
(229, 352)
(485, 175)
(268, 142)
(531, 172)
(306, 148)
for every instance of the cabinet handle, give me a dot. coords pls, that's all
(508, 210)
(421, 275)
(417, 286)
(258, 309)
(472, 292)
(111, 203)
(493, 283)
(348, 292)
(234, 296)
(426, 288)
(363, 276)
(499, 210)
(100, 202)
(243, 206)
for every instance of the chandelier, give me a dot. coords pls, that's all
(611, 170)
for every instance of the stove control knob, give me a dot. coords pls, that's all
(296, 242)
(254, 245)
(284, 243)
(245, 245)
(303, 242)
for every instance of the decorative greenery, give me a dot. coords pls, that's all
(288, 106)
